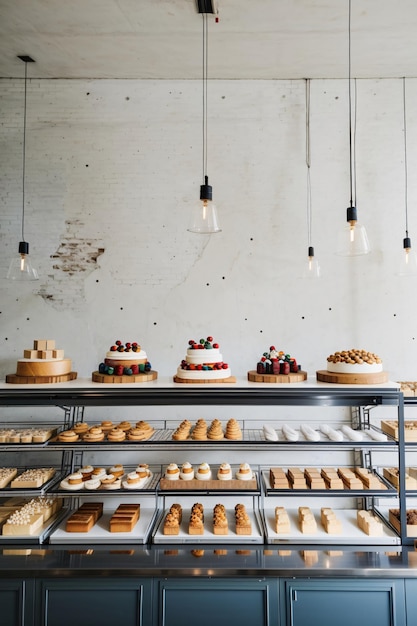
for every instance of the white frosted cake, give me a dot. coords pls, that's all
(125, 359)
(203, 361)
(354, 362)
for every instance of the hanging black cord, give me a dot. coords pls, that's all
(350, 109)
(405, 159)
(24, 155)
(205, 66)
(308, 163)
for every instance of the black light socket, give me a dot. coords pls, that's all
(206, 190)
(351, 214)
(23, 247)
(310, 251)
(406, 243)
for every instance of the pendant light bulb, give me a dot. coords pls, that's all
(204, 216)
(408, 264)
(20, 267)
(353, 239)
(312, 267)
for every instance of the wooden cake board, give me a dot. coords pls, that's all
(352, 379)
(134, 378)
(14, 379)
(195, 484)
(205, 381)
(296, 377)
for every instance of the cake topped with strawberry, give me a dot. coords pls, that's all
(125, 359)
(203, 362)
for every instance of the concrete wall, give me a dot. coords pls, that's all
(113, 168)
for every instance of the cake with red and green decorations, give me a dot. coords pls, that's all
(277, 366)
(125, 360)
(275, 361)
(203, 362)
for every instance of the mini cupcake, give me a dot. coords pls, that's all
(187, 471)
(172, 472)
(203, 472)
(244, 472)
(224, 472)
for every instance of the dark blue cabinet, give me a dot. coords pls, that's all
(86, 602)
(16, 603)
(344, 603)
(217, 601)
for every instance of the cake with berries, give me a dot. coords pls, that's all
(277, 366)
(125, 363)
(203, 363)
(43, 363)
(354, 367)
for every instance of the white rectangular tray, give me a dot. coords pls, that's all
(100, 533)
(208, 536)
(351, 533)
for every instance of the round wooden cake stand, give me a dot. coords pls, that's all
(134, 378)
(14, 379)
(352, 379)
(205, 381)
(296, 377)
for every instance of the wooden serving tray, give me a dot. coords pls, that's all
(411, 528)
(294, 377)
(205, 381)
(135, 378)
(207, 485)
(352, 379)
(391, 428)
(14, 379)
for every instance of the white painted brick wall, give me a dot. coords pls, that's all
(117, 165)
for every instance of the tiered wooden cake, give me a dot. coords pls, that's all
(42, 364)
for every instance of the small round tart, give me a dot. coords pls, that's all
(244, 472)
(98, 472)
(86, 471)
(134, 481)
(172, 472)
(92, 484)
(68, 436)
(117, 470)
(80, 427)
(203, 472)
(116, 434)
(224, 472)
(65, 484)
(187, 471)
(75, 479)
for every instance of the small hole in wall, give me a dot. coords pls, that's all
(88, 93)
(223, 277)
(6, 339)
(127, 98)
(97, 280)
(261, 331)
(330, 308)
(302, 317)
(86, 164)
(207, 284)
(27, 319)
(395, 315)
(121, 308)
(154, 323)
(251, 239)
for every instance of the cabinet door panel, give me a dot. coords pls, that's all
(86, 602)
(345, 603)
(12, 603)
(219, 602)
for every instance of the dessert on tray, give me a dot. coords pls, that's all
(276, 366)
(353, 367)
(203, 363)
(125, 363)
(44, 363)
